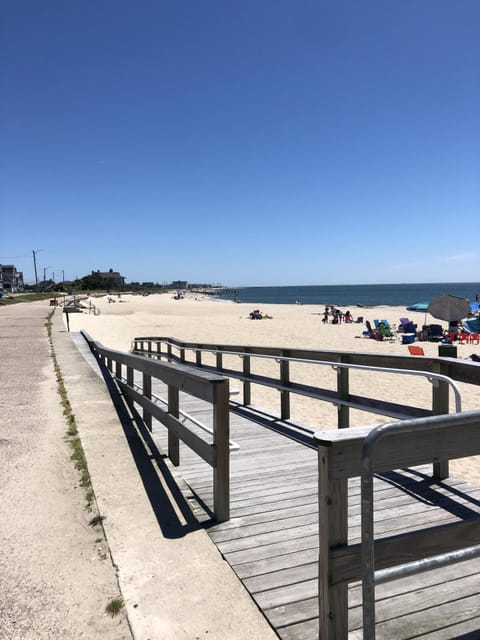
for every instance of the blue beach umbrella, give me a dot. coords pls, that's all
(419, 306)
(475, 307)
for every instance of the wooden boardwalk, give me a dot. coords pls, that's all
(271, 540)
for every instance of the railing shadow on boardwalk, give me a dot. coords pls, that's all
(282, 427)
(423, 488)
(146, 457)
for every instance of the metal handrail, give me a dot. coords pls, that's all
(431, 377)
(233, 445)
(369, 576)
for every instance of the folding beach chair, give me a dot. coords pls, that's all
(385, 331)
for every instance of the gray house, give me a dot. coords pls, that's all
(11, 279)
(111, 277)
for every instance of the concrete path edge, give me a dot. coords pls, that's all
(173, 588)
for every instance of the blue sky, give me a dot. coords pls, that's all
(262, 142)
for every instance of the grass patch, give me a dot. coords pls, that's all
(114, 607)
(72, 437)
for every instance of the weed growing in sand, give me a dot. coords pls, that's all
(114, 607)
(96, 520)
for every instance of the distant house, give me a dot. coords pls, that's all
(179, 284)
(111, 277)
(10, 278)
(46, 285)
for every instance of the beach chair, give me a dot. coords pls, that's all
(369, 331)
(385, 330)
(434, 332)
(401, 326)
(416, 351)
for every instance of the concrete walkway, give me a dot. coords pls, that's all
(172, 578)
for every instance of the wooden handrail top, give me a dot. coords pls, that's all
(460, 370)
(459, 440)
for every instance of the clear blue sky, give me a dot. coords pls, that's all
(248, 143)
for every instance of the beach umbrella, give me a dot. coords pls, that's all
(449, 308)
(419, 306)
(475, 307)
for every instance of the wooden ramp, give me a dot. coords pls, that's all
(271, 540)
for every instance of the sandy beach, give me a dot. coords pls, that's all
(200, 319)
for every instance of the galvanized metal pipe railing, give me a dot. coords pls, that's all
(429, 375)
(156, 398)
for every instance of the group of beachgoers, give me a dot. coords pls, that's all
(336, 315)
(256, 314)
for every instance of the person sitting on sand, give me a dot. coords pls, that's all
(348, 317)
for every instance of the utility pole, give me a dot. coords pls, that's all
(35, 267)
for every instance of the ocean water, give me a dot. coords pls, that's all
(359, 295)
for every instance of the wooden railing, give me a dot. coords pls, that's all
(206, 386)
(443, 371)
(411, 443)
(192, 353)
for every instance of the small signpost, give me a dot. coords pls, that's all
(67, 311)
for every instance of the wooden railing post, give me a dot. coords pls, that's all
(219, 360)
(198, 357)
(173, 440)
(169, 352)
(440, 406)
(343, 391)
(147, 392)
(284, 395)
(247, 386)
(159, 349)
(221, 437)
(118, 370)
(333, 531)
(130, 374)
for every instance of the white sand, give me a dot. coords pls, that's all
(198, 319)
